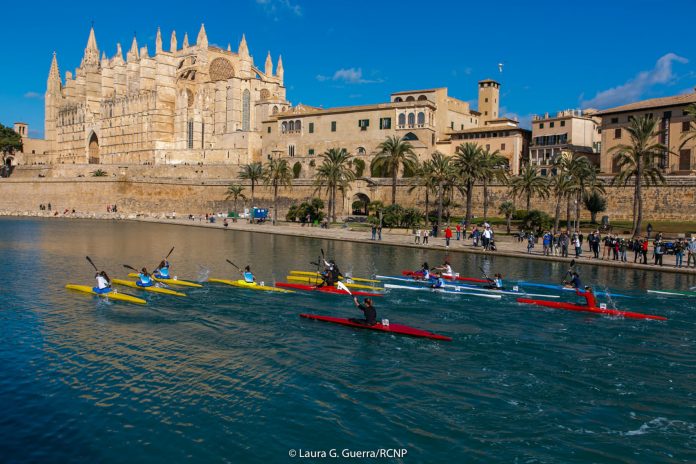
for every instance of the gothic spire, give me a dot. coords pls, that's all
(185, 44)
(119, 53)
(243, 48)
(202, 39)
(91, 56)
(172, 42)
(54, 82)
(132, 54)
(279, 68)
(229, 47)
(158, 42)
(269, 65)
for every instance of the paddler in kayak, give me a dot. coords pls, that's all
(588, 294)
(368, 309)
(144, 279)
(329, 277)
(438, 281)
(445, 269)
(103, 283)
(496, 283)
(423, 273)
(248, 275)
(162, 271)
(331, 266)
(574, 282)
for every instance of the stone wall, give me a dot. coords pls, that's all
(201, 189)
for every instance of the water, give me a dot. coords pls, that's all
(233, 375)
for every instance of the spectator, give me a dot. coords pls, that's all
(658, 252)
(417, 236)
(547, 243)
(679, 252)
(487, 236)
(459, 231)
(425, 236)
(448, 236)
(691, 247)
(374, 231)
(530, 243)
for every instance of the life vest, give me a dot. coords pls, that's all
(248, 277)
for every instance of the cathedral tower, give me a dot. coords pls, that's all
(52, 100)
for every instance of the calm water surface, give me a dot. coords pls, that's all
(231, 375)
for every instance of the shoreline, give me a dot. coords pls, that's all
(397, 237)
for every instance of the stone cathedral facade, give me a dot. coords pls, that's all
(188, 104)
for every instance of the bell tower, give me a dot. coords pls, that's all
(489, 100)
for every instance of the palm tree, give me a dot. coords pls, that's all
(252, 172)
(637, 162)
(234, 191)
(527, 183)
(276, 174)
(561, 185)
(334, 173)
(442, 175)
(394, 153)
(495, 167)
(424, 179)
(468, 164)
(507, 209)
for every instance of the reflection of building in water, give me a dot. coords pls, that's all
(188, 104)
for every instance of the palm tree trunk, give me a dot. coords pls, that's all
(529, 200)
(427, 210)
(394, 171)
(508, 219)
(577, 211)
(485, 200)
(275, 204)
(439, 204)
(252, 201)
(469, 200)
(638, 200)
(557, 216)
(568, 213)
(333, 203)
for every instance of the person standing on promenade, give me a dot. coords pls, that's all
(379, 231)
(644, 250)
(417, 236)
(433, 233)
(425, 236)
(679, 253)
(578, 245)
(635, 245)
(487, 236)
(530, 242)
(459, 231)
(564, 240)
(546, 243)
(448, 236)
(374, 231)
(623, 247)
(691, 248)
(658, 252)
(606, 251)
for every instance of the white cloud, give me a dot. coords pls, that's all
(348, 76)
(35, 95)
(635, 88)
(525, 120)
(275, 7)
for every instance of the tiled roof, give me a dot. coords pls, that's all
(676, 100)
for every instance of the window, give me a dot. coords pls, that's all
(385, 123)
(361, 151)
(291, 126)
(562, 123)
(614, 120)
(486, 100)
(684, 160)
(298, 126)
(269, 129)
(551, 124)
(284, 127)
(421, 118)
(452, 124)
(488, 146)
(411, 119)
(311, 127)
(617, 133)
(189, 137)
(502, 146)
(398, 100)
(291, 151)
(402, 119)
(363, 124)
(686, 125)
(333, 126)
(203, 135)
(311, 151)
(246, 101)
(541, 125)
(462, 127)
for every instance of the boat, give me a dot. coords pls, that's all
(391, 328)
(153, 289)
(250, 286)
(441, 290)
(182, 283)
(447, 277)
(318, 274)
(312, 288)
(314, 281)
(589, 309)
(476, 288)
(673, 292)
(112, 295)
(523, 283)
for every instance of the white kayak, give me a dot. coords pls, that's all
(441, 290)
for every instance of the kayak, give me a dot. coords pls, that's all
(312, 288)
(391, 328)
(153, 289)
(447, 277)
(441, 290)
(112, 295)
(317, 274)
(589, 309)
(182, 283)
(250, 286)
(673, 292)
(466, 287)
(314, 281)
(561, 287)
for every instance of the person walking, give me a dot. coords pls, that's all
(459, 231)
(448, 236)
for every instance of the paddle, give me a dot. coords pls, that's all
(131, 268)
(342, 286)
(572, 265)
(92, 263)
(165, 258)
(238, 268)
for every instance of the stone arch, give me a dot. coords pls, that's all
(398, 100)
(221, 69)
(422, 97)
(411, 119)
(421, 118)
(410, 98)
(93, 148)
(361, 151)
(360, 204)
(7, 166)
(402, 119)
(275, 109)
(410, 136)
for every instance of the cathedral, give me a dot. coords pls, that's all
(188, 104)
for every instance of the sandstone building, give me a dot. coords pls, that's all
(188, 104)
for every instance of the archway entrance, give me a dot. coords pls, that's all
(6, 167)
(93, 149)
(360, 204)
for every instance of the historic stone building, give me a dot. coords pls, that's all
(193, 103)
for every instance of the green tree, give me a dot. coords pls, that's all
(442, 173)
(296, 170)
(507, 209)
(425, 180)
(252, 172)
(468, 163)
(99, 173)
(234, 191)
(691, 133)
(335, 174)
(495, 168)
(359, 166)
(638, 162)
(10, 142)
(277, 174)
(393, 154)
(594, 203)
(529, 184)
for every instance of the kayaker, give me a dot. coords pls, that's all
(248, 276)
(445, 269)
(588, 294)
(162, 271)
(438, 281)
(423, 273)
(144, 279)
(574, 282)
(496, 282)
(332, 266)
(328, 278)
(103, 283)
(368, 309)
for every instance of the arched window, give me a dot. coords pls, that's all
(291, 126)
(410, 136)
(411, 119)
(246, 97)
(422, 97)
(398, 100)
(284, 127)
(361, 151)
(275, 110)
(402, 119)
(298, 126)
(421, 118)
(410, 98)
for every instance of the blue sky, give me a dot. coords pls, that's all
(556, 55)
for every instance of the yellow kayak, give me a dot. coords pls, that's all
(153, 289)
(316, 274)
(112, 295)
(252, 286)
(183, 283)
(314, 280)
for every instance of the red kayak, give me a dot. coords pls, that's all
(589, 309)
(415, 274)
(312, 288)
(391, 328)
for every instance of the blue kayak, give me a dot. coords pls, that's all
(523, 283)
